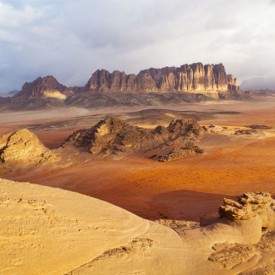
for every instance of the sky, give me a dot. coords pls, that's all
(71, 39)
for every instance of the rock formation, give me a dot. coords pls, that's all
(232, 83)
(187, 78)
(109, 137)
(112, 136)
(43, 87)
(251, 205)
(24, 148)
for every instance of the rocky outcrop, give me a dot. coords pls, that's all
(233, 84)
(178, 153)
(112, 136)
(24, 148)
(43, 87)
(187, 78)
(249, 206)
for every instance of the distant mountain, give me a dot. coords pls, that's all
(187, 78)
(43, 87)
(11, 93)
(259, 83)
(195, 78)
(188, 83)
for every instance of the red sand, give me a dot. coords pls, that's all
(184, 189)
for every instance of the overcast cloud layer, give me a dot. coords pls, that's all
(70, 39)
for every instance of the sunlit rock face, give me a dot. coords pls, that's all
(233, 84)
(187, 78)
(54, 94)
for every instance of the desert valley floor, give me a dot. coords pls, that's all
(182, 189)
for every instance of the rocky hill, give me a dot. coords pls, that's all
(187, 78)
(113, 137)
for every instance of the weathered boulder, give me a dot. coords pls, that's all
(24, 148)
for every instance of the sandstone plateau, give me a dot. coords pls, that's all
(51, 231)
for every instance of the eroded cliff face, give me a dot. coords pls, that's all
(187, 78)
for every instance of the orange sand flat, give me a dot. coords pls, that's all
(184, 189)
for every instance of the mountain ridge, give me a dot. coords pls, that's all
(168, 85)
(186, 78)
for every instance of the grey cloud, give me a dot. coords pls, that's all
(70, 39)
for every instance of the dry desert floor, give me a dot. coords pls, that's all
(183, 189)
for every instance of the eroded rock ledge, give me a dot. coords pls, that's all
(249, 206)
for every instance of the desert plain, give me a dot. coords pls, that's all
(238, 156)
(181, 189)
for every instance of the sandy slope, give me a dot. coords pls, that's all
(51, 231)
